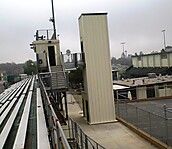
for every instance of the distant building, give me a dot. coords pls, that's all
(168, 49)
(161, 59)
(155, 62)
(143, 88)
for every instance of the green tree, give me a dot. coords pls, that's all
(30, 67)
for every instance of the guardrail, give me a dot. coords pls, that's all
(78, 139)
(48, 79)
(73, 61)
(57, 136)
(46, 34)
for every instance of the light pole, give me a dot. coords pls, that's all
(163, 31)
(123, 54)
(123, 48)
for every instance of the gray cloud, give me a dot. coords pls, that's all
(138, 23)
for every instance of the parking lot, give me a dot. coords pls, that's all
(150, 116)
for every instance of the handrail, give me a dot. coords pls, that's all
(53, 121)
(63, 68)
(87, 141)
(48, 63)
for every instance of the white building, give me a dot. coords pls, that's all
(161, 59)
(145, 87)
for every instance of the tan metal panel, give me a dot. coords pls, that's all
(145, 61)
(150, 61)
(170, 59)
(135, 62)
(98, 79)
(157, 58)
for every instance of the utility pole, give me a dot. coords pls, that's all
(163, 31)
(123, 53)
(123, 48)
(53, 19)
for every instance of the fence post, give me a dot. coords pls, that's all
(118, 112)
(166, 122)
(126, 110)
(137, 118)
(150, 125)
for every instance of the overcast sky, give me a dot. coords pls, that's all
(137, 22)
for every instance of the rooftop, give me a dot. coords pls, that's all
(144, 81)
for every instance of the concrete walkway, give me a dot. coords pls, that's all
(111, 135)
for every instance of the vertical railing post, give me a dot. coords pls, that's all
(97, 146)
(137, 118)
(58, 136)
(126, 110)
(73, 135)
(118, 112)
(150, 125)
(47, 35)
(76, 135)
(86, 142)
(166, 122)
(75, 60)
(81, 139)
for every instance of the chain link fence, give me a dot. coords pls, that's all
(152, 123)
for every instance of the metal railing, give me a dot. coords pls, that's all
(73, 61)
(47, 34)
(168, 112)
(52, 78)
(56, 134)
(157, 126)
(64, 71)
(78, 139)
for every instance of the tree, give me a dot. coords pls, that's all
(30, 67)
(76, 78)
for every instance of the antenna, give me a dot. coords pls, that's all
(53, 20)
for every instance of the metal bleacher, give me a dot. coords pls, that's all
(23, 122)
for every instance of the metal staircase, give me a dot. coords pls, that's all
(58, 77)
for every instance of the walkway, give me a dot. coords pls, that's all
(110, 135)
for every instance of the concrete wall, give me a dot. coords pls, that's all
(97, 74)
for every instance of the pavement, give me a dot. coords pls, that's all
(110, 135)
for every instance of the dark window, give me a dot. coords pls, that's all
(82, 48)
(163, 55)
(139, 58)
(51, 53)
(150, 91)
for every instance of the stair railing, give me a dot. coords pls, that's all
(63, 69)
